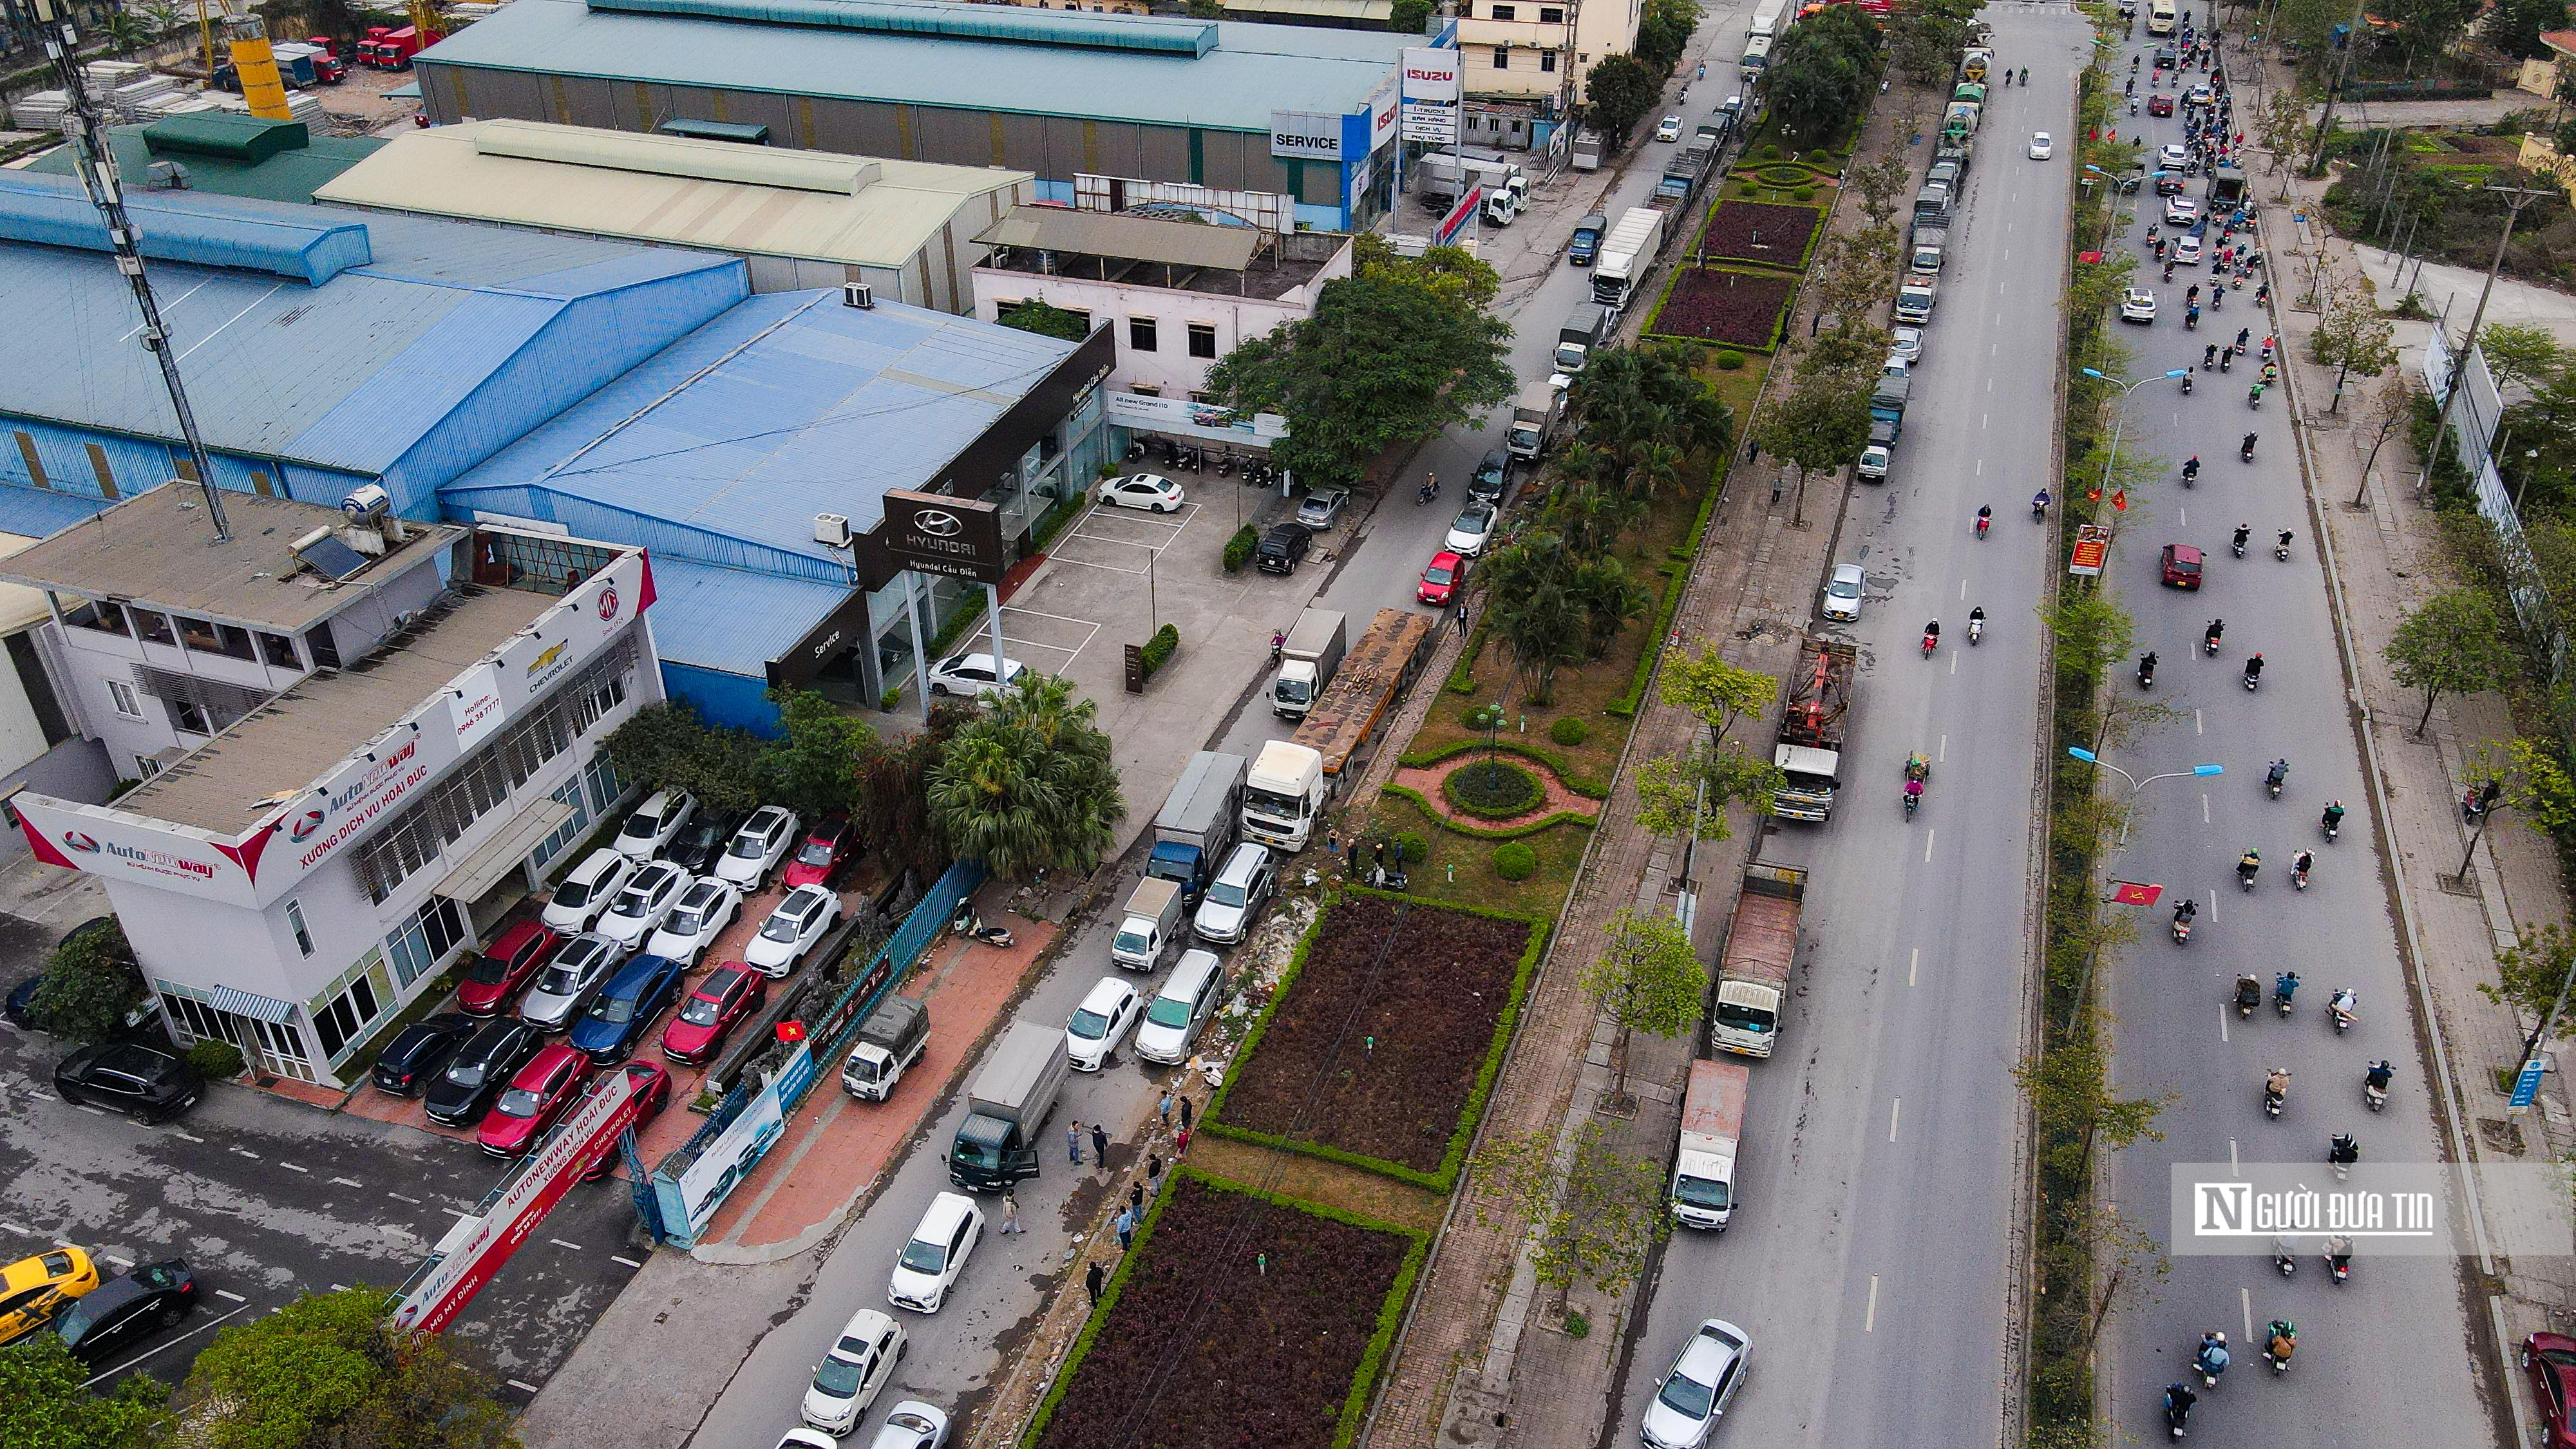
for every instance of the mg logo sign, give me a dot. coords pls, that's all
(305, 825)
(608, 603)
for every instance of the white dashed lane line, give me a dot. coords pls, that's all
(348, 1182)
(398, 1197)
(560, 1243)
(186, 1136)
(230, 1297)
(629, 1262)
(291, 1167)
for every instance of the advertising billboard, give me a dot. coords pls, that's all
(934, 534)
(109, 843)
(1306, 135)
(1431, 94)
(1181, 417)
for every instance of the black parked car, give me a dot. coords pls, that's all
(421, 1051)
(145, 1083)
(127, 1310)
(701, 842)
(479, 1070)
(1283, 548)
(1491, 474)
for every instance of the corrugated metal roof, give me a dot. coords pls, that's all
(789, 405)
(267, 359)
(1137, 238)
(1252, 71)
(658, 189)
(1023, 26)
(733, 620)
(296, 242)
(39, 512)
(290, 175)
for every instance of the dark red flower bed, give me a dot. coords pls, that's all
(1209, 1347)
(1408, 1058)
(1753, 231)
(1741, 309)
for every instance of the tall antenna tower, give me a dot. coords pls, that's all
(95, 160)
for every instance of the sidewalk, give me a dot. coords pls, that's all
(2386, 559)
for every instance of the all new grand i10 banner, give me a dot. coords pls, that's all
(361, 791)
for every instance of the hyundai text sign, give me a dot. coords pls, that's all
(1306, 135)
(935, 534)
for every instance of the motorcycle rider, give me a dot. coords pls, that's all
(2211, 1360)
(2249, 994)
(2247, 448)
(2282, 544)
(2243, 532)
(2281, 1342)
(2248, 864)
(2209, 357)
(1985, 518)
(1931, 636)
(2178, 1401)
(2254, 667)
(1278, 644)
(2273, 777)
(2379, 1074)
(2276, 1083)
(2338, 1257)
(2344, 1006)
(2184, 913)
(2147, 669)
(1976, 623)
(2209, 637)
(2191, 467)
(2039, 504)
(2342, 1150)
(2333, 818)
(2285, 986)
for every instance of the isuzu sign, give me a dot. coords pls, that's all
(937, 534)
(1431, 75)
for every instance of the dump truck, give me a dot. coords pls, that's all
(1761, 947)
(1809, 751)
(1306, 662)
(1198, 822)
(1626, 254)
(1532, 420)
(1284, 793)
(997, 1144)
(893, 1038)
(1703, 1190)
(1362, 696)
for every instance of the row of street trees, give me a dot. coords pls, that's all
(1620, 90)
(1557, 594)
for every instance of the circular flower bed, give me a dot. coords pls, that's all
(1787, 175)
(1493, 789)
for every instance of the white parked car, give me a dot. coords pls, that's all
(857, 1369)
(1694, 1396)
(1188, 998)
(705, 909)
(758, 847)
(2040, 149)
(2186, 249)
(1907, 344)
(801, 1437)
(1670, 129)
(807, 915)
(1475, 525)
(570, 976)
(1149, 491)
(937, 1253)
(586, 890)
(1874, 463)
(1241, 886)
(912, 1425)
(648, 831)
(1100, 1023)
(638, 909)
(971, 675)
(2138, 306)
(1842, 594)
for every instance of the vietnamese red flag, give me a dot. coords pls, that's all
(2120, 501)
(2092, 495)
(2134, 893)
(791, 1031)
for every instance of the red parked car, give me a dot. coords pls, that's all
(825, 853)
(550, 1082)
(730, 993)
(1442, 579)
(652, 1089)
(2550, 1359)
(498, 975)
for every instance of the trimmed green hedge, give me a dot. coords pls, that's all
(1493, 789)
(1158, 650)
(1483, 832)
(1569, 731)
(1238, 549)
(1675, 579)
(1462, 675)
(1373, 1359)
(1573, 779)
(1470, 1113)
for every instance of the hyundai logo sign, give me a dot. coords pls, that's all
(940, 534)
(938, 523)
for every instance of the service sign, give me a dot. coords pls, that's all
(1306, 135)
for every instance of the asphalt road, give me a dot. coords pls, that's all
(1870, 1255)
(2176, 1031)
(267, 1199)
(954, 1354)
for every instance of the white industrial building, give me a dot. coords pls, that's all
(351, 731)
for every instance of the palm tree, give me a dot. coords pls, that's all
(1601, 588)
(986, 806)
(1529, 603)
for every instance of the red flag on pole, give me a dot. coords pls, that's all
(2092, 495)
(2134, 893)
(2120, 501)
(791, 1031)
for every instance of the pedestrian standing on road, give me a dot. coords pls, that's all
(1010, 1211)
(1100, 1143)
(1126, 1229)
(1136, 1197)
(1163, 1108)
(1095, 1280)
(1073, 1142)
(1185, 1114)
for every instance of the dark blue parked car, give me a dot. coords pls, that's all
(618, 1016)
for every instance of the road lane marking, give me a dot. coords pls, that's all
(1869, 1322)
(1941, 751)
(2182, 517)
(398, 1197)
(1895, 1106)
(339, 1287)
(1981, 467)
(2204, 807)
(347, 1182)
(21, 1229)
(2245, 1298)
(120, 1264)
(291, 1167)
(1927, 843)
(1963, 591)
(86, 1107)
(246, 1152)
(1982, 419)
(160, 1347)
(2197, 726)
(1954, 660)
(1913, 961)
(522, 1388)
(186, 1136)
(1990, 380)
(629, 1262)
(2231, 1156)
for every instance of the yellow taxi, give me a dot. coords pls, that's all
(33, 1290)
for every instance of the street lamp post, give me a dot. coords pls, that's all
(2136, 786)
(2121, 419)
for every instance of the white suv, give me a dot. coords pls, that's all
(936, 1253)
(1236, 895)
(972, 675)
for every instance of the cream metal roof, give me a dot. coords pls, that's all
(755, 200)
(1135, 238)
(20, 606)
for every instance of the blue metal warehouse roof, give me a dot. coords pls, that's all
(724, 447)
(330, 338)
(731, 620)
(1223, 75)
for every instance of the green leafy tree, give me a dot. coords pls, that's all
(1716, 691)
(1676, 792)
(1640, 409)
(1882, 184)
(1530, 604)
(1609, 598)
(666, 747)
(1664, 32)
(2520, 353)
(1618, 92)
(2351, 334)
(892, 812)
(1590, 516)
(1454, 273)
(1384, 360)
(2531, 972)
(328, 1370)
(1047, 320)
(814, 768)
(2452, 643)
(1407, 17)
(1592, 1222)
(2070, 1095)
(2092, 632)
(1029, 785)
(1646, 979)
(40, 1382)
(90, 983)
(1821, 426)
(1822, 71)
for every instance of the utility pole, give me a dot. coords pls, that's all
(2515, 199)
(96, 163)
(2334, 92)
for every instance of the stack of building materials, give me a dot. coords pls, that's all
(300, 106)
(141, 97)
(39, 110)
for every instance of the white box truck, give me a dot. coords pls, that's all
(1703, 1191)
(1307, 661)
(895, 1036)
(1626, 254)
(997, 1144)
(1283, 795)
(1150, 927)
(1533, 420)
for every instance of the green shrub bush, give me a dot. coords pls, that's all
(1410, 846)
(1569, 731)
(1494, 789)
(1158, 650)
(1821, 157)
(1238, 549)
(214, 1061)
(1768, 153)
(1729, 360)
(1804, 193)
(1515, 861)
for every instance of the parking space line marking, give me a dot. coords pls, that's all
(347, 1182)
(629, 1262)
(398, 1197)
(86, 1107)
(121, 1263)
(560, 1243)
(291, 1167)
(186, 1136)
(230, 1297)
(160, 1347)
(47, 1097)
(21, 1229)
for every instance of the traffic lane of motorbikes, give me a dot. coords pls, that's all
(2329, 932)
